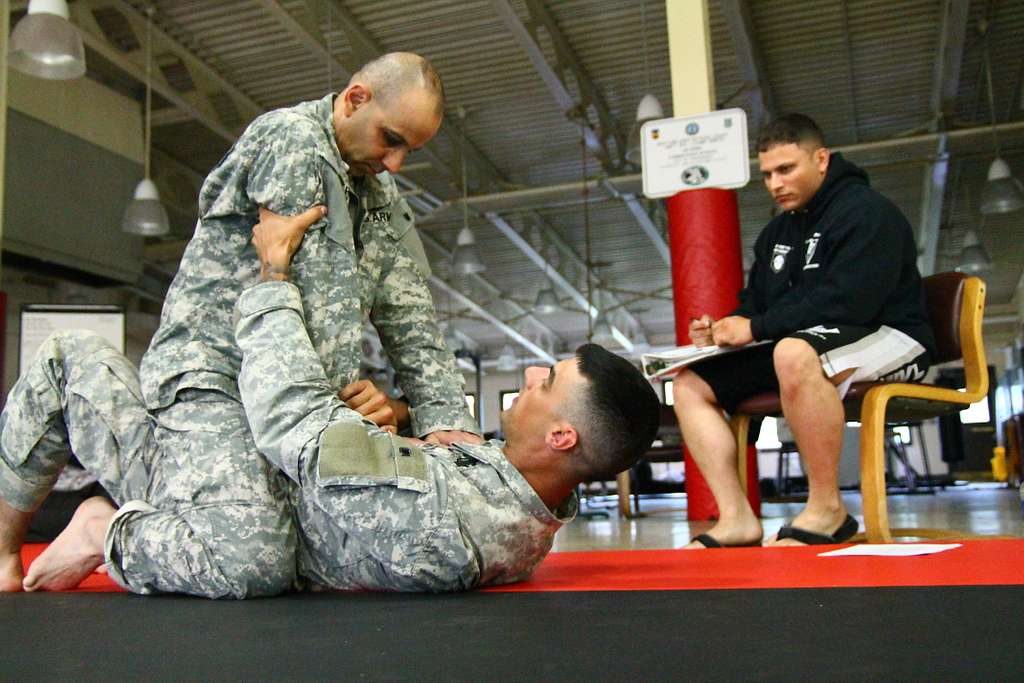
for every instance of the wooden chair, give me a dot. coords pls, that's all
(956, 305)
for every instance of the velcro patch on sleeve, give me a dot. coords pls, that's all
(352, 455)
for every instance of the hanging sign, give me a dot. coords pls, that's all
(695, 152)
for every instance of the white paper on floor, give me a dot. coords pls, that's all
(892, 549)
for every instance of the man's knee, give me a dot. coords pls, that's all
(688, 387)
(223, 551)
(66, 344)
(795, 361)
(270, 571)
(256, 558)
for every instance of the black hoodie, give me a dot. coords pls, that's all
(847, 258)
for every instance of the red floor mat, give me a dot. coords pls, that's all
(96, 583)
(996, 562)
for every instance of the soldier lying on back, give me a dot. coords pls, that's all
(374, 510)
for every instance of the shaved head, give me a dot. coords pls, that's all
(396, 73)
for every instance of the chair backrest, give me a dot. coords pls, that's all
(956, 307)
(944, 296)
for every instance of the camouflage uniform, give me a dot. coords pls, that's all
(374, 510)
(199, 518)
(363, 260)
(286, 161)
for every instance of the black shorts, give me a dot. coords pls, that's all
(878, 354)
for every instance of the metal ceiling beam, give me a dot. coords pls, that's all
(568, 255)
(581, 300)
(169, 116)
(362, 45)
(949, 58)
(430, 203)
(945, 85)
(206, 78)
(636, 208)
(92, 36)
(496, 295)
(566, 103)
(366, 48)
(510, 331)
(933, 191)
(589, 95)
(570, 192)
(370, 49)
(751, 66)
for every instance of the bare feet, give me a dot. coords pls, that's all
(13, 527)
(821, 522)
(732, 533)
(10, 572)
(76, 552)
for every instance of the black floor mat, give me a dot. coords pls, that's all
(947, 633)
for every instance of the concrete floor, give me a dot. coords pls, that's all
(985, 509)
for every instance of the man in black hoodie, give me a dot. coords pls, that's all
(835, 290)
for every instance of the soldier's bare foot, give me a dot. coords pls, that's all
(75, 553)
(10, 572)
(13, 527)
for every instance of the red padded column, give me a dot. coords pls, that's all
(707, 274)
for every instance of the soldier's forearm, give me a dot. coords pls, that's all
(282, 382)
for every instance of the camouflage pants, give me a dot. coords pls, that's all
(201, 511)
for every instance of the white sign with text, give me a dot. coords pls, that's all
(695, 152)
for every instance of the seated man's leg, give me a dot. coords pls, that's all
(814, 368)
(216, 522)
(814, 411)
(713, 447)
(79, 395)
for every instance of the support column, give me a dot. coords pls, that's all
(704, 225)
(5, 31)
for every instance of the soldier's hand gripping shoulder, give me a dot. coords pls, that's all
(365, 398)
(277, 238)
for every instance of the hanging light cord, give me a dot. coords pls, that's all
(991, 96)
(586, 227)
(462, 168)
(643, 33)
(149, 91)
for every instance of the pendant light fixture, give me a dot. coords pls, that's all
(1003, 193)
(649, 108)
(974, 259)
(507, 361)
(46, 44)
(466, 256)
(145, 215)
(546, 302)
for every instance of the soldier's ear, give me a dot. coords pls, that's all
(562, 436)
(354, 97)
(358, 95)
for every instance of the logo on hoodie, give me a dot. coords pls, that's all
(779, 252)
(812, 246)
